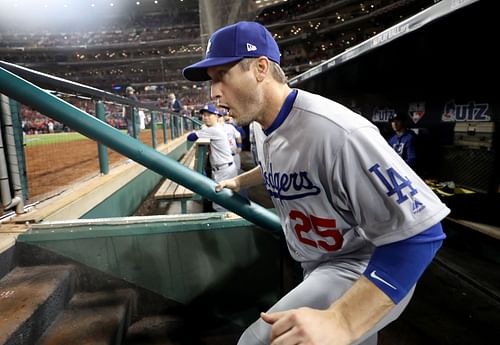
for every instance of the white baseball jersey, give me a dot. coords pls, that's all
(232, 135)
(220, 151)
(339, 190)
(221, 158)
(337, 185)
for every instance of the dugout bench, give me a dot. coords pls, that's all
(194, 158)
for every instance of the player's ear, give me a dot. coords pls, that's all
(261, 68)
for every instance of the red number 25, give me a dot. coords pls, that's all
(322, 226)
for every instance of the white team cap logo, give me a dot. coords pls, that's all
(208, 46)
(251, 47)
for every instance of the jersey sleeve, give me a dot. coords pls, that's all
(192, 136)
(237, 134)
(379, 193)
(396, 267)
(209, 133)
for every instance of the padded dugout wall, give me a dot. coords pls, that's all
(449, 61)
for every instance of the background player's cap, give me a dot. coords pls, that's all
(222, 111)
(231, 44)
(209, 108)
(395, 117)
(129, 89)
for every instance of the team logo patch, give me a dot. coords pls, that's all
(399, 186)
(416, 111)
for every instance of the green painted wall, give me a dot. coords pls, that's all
(231, 267)
(125, 201)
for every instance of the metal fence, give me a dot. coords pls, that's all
(56, 157)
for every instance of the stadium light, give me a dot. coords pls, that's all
(46, 14)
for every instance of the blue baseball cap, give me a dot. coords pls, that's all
(210, 108)
(396, 116)
(223, 112)
(231, 44)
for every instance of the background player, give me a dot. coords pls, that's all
(233, 136)
(404, 140)
(221, 158)
(363, 225)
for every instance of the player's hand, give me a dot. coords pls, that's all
(306, 326)
(232, 184)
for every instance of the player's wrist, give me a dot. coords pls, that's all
(344, 332)
(237, 183)
(354, 318)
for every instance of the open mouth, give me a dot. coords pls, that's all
(226, 108)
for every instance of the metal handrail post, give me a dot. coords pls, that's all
(164, 127)
(135, 131)
(153, 128)
(101, 149)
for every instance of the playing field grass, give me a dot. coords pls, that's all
(54, 138)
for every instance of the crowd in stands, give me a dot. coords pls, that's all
(142, 49)
(313, 31)
(34, 122)
(98, 39)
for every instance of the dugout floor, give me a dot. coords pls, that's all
(450, 307)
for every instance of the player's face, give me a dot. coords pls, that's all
(209, 119)
(238, 90)
(397, 125)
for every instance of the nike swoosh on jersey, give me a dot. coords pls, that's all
(374, 275)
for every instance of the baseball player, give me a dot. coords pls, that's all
(404, 140)
(362, 224)
(221, 158)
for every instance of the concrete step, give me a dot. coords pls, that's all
(30, 299)
(97, 318)
(157, 330)
(175, 329)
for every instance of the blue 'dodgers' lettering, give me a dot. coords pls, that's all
(288, 186)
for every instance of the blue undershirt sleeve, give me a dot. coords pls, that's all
(192, 136)
(396, 267)
(412, 152)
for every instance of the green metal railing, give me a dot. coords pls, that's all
(32, 95)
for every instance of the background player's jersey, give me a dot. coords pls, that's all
(220, 152)
(404, 145)
(232, 134)
(337, 185)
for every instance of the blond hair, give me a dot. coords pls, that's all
(276, 71)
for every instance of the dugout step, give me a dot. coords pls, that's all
(177, 329)
(30, 299)
(98, 318)
(153, 330)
